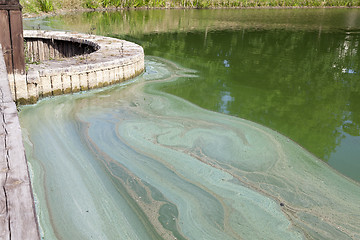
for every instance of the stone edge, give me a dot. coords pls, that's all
(113, 61)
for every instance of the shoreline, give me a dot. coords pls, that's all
(112, 9)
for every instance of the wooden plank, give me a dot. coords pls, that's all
(9, 2)
(4, 219)
(30, 54)
(51, 50)
(46, 49)
(36, 51)
(62, 49)
(5, 39)
(17, 40)
(17, 210)
(20, 202)
(71, 47)
(41, 50)
(4, 83)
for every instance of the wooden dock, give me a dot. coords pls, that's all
(17, 210)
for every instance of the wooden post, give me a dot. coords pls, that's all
(11, 36)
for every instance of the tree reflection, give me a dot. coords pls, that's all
(291, 81)
(295, 71)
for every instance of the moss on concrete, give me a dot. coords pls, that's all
(67, 90)
(84, 88)
(57, 92)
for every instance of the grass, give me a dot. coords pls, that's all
(36, 6)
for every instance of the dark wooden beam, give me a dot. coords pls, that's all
(10, 4)
(17, 40)
(5, 39)
(11, 36)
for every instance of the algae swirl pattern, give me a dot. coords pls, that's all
(132, 162)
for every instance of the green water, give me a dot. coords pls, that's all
(301, 84)
(187, 150)
(295, 71)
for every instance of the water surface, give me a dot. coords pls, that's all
(295, 71)
(137, 163)
(186, 150)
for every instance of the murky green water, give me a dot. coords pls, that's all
(295, 71)
(148, 161)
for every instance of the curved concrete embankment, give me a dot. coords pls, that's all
(65, 62)
(17, 210)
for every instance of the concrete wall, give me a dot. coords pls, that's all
(17, 211)
(110, 61)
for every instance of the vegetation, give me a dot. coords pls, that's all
(35, 6)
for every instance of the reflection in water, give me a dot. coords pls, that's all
(295, 71)
(136, 163)
(225, 100)
(140, 22)
(298, 83)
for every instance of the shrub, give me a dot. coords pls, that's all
(45, 5)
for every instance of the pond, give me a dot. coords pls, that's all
(186, 150)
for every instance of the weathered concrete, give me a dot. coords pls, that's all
(71, 62)
(17, 211)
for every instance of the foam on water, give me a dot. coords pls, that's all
(136, 163)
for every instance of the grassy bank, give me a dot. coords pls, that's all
(38, 6)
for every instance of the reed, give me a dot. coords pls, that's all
(45, 5)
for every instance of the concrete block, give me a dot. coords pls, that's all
(11, 79)
(45, 86)
(56, 83)
(119, 74)
(106, 73)
(33, 77)
(126, 72)
(140, 65)
(75, 82)
(92, 78)
(33, 93)
(100, 78)
(21, 87)
(132, 70)
(66, 81)
(112, 75)
(33, 80)
(84, 85)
